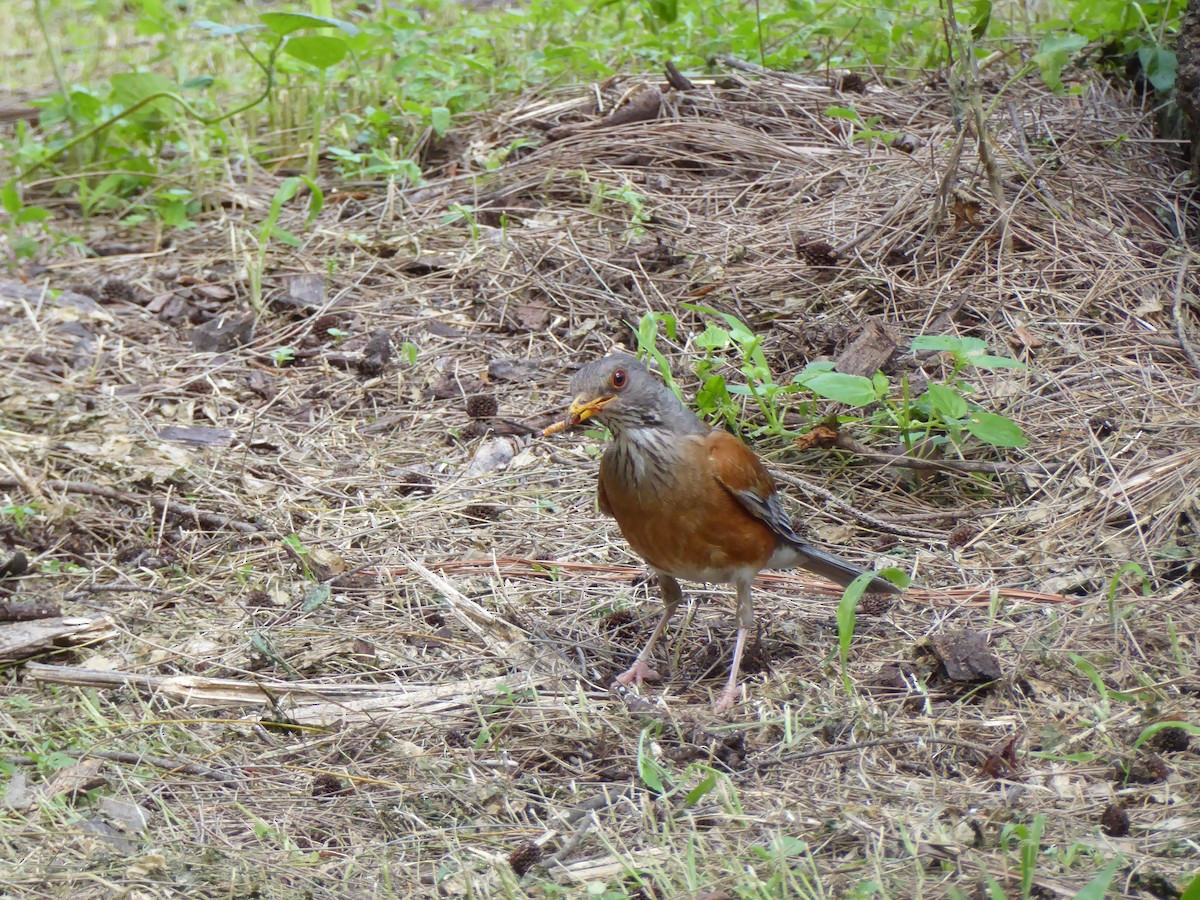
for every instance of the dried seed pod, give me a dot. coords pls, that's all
(524, 857)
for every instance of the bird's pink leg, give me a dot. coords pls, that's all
(672, 596)
(745, 614)
(732, 693)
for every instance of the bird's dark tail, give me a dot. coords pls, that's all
(797, 554)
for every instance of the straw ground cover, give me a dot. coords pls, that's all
(353, 621)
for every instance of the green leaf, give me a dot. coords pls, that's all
(1192, 891)
(981, 17)
(713, 338)
(842, 112)
(1097, 888)
(130, 88)
(696, 794)
(440, 115)
(316, 597)
(10, 197)
(944, 342)
(1054, 53)
(987, 361)
(1087, 668)
(318, 50)
(649, 770)
(1159, 64)
(665, 11)
(996, 430)
(218, 29)
(847, 615)
(854, 390)
(284, 23)
(946, 402)
(31, 214)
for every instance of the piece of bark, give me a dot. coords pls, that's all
(869, 352)
(21, 639)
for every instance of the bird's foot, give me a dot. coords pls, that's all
(728, 700)
(638, 673)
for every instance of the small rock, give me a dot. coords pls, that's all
(512, 369)
(223, 333)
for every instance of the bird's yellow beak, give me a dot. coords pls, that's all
(582, 409)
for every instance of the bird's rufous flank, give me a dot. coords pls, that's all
(693, 501)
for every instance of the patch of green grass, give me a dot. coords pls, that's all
(143, 133)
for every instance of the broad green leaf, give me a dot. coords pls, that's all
(284, 23)
(987, 361)
(318, 50)
(981, 17)
(31, 214)
(927, 342)
(1054, 53)
(130, 88)
(850, 389)
(996, 430)
(713, 338)
(1192, 891)
(440, 117)
(1159, 64)
(842, 112)
(946, 402)
(666, 11)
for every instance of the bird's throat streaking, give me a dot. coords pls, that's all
(581, 410)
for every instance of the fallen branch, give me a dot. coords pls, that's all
(327, 703)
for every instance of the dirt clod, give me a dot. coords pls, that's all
(1114, 821)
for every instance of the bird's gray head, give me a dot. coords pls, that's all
(621, 394)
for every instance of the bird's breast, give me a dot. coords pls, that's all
(676, 516)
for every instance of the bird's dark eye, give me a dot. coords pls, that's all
(618, 378)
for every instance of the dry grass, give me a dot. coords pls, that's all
(284, 742)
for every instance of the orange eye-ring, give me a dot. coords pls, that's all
(618, 378)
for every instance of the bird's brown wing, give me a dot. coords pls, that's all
(744, 476)
(741, 472)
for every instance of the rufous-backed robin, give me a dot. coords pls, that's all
(693, 501)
